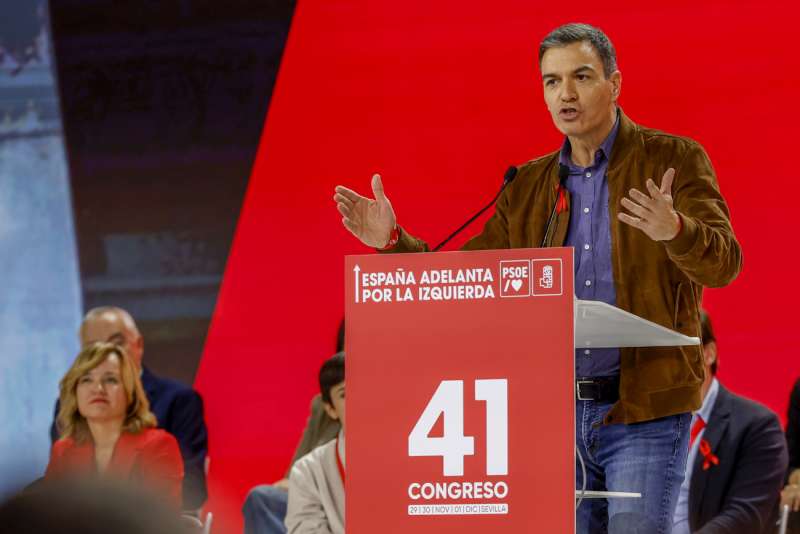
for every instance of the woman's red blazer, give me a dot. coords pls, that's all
(150, 458)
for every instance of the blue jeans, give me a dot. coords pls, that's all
(649, 458)
(264, 510)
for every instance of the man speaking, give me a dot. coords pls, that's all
(650, 229)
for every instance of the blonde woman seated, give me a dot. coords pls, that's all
(107, 428)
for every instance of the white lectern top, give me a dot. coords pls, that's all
(599, 325)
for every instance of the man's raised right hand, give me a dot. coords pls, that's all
(372, 221)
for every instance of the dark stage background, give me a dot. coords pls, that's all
(163, 105)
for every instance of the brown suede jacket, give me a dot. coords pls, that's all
(660, 281)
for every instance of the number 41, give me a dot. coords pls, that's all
(448, 400)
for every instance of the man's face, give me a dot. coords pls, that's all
(112, 328)
(336, 408)
(580, 98)
(709, 356)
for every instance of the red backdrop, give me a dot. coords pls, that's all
(440, 97)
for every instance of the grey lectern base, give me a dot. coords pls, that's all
(601, 326)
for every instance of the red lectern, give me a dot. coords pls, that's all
(460, 386)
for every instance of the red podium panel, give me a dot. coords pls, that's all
(460, 388)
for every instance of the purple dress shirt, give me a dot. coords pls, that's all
(590, 233)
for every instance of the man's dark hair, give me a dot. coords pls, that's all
(577, 33)
(707, 335)
(330, 374)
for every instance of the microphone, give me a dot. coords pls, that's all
(563, 173)
(508, 177)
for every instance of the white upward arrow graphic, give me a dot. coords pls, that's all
(356, 270)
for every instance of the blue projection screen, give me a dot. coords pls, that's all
(40, 300)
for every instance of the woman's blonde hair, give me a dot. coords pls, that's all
(137, 416)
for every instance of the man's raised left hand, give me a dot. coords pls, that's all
(653, 214)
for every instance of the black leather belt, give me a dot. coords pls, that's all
(600, 388)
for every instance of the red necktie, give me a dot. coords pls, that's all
(698, 425)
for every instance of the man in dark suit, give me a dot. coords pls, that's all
(791, 493)
(737, 460)
(178, 408)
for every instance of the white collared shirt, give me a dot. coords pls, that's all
(680, 522)
(340, 450)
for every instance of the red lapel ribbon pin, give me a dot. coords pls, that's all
(561, 201)
(708, 456)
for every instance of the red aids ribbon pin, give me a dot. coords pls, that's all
(708, 456)
(561, 201)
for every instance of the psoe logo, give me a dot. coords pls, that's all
(515, 278)
(546, 281)
(546, 277)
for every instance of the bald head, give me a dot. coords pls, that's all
(114, 325)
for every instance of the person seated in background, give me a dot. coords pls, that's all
(791, 493)
(737, 459)
(316, 481)
(264, 508)
(107, 427)
(178, 408)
